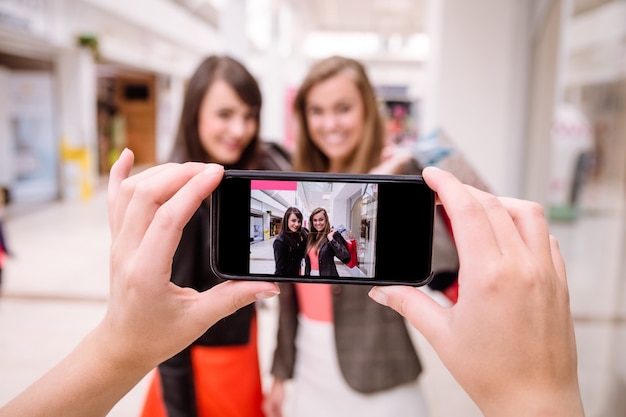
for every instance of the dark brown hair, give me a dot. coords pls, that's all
(188, 146)
(292, 238)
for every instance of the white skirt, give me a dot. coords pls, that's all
(321, 391)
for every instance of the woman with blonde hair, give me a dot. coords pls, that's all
(323, 245)
(357, 111)
(346, 354)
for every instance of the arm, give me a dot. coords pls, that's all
(280, 250)
(340, 247)
(285, 352)
(3, 245)
(509, 340)
(146, 214)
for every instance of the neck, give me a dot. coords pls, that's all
(337, 166)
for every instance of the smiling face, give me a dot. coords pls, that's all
(294, 223)
(335, 118)
(226, 124)
(319, 221)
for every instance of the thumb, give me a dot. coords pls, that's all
(424, 313)
(226, 298)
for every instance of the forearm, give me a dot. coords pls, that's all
(88, 382)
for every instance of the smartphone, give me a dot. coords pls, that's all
(386, 221)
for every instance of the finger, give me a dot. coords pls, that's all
(470, 224)
(224, 299)
(126, 191)
(502, 223)
(532, 226)
(557, 259)
(164, 232)
(424, 313)
(119, 172)
(153, 192)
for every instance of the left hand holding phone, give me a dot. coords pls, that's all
(148, 318)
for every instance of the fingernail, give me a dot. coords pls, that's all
(263, 295)
(377, 295)
(213, 169)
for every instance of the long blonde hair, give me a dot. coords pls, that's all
(308, 157)
(316, 238)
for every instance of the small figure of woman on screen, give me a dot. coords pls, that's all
(323, 244)
(290, 244)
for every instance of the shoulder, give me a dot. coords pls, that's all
(337, 236)
(278, 240)
(274, 157)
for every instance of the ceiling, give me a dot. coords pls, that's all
(385, 17)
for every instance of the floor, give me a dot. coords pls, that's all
(55, 289)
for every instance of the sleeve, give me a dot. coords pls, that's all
(279, 257)
(340, 248)
(285, 352)
(3, 245)
(177, 385)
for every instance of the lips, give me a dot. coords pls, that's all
(334, 139)
(231, 145)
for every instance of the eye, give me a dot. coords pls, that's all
(343, 108)
(313, 111)
(253, 114)
(225, 113)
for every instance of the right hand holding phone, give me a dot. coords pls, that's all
(509, 340)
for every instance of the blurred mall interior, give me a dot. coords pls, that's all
(531, 92)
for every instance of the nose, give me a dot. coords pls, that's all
(237, 127)
(329, 121)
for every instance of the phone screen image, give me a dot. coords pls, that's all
(348, 208)
(384, 224)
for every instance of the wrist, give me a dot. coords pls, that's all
(564, 402)
(127, 361)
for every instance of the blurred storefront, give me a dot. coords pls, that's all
(81, 79)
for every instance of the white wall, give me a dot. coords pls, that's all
(478, 85)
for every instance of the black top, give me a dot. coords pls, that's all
(289, 252)
(191, 268)
(326, 256)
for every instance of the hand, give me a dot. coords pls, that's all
(274, 400)
(330, 235)
(147, 213)
(509, 340)
(148, 318)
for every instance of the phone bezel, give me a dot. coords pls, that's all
(216, 215)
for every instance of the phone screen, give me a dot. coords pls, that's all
(384, 223)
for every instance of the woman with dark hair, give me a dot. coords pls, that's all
(323, 245)
(289, 244)
(219, 373)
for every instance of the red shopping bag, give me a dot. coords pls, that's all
(354, 260)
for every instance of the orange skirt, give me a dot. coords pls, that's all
(227, 381)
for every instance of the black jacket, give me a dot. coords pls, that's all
(326, 256)
(288, 254)
(191, 268)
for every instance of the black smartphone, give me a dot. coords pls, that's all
(385, 221)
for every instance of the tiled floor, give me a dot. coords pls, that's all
(56, 287)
